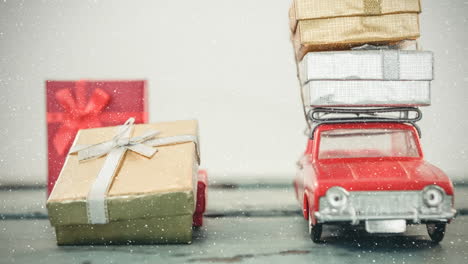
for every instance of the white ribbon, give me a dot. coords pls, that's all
(96, 205)
(391, 64)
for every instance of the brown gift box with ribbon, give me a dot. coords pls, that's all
(318, 25)
(128, 184)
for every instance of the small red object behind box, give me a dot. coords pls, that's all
(74, 105)
(201, 198)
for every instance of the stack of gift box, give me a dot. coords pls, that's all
(114, 179)
(360, 54)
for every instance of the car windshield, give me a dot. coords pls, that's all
(367, 143)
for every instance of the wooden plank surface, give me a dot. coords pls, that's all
(244, 224)
(241, 240)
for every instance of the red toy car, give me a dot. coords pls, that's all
(372, 174)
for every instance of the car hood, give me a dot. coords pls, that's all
(389, 175)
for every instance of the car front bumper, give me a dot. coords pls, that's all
(385, 205)
(414, 218)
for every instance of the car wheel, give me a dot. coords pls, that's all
(315, 231)
(436, 231)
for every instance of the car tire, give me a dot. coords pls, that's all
(436, 231)
(315, 231)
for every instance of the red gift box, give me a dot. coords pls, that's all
(202, 194)
(74, 105)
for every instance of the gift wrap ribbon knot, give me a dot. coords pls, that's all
(79, 113)
(114, 150)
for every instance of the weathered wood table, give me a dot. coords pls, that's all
(248, 223)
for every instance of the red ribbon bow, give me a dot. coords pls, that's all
(79, 113)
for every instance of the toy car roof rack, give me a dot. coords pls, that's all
(325, 115)
(395, 114)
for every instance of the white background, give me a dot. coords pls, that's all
(227, 63)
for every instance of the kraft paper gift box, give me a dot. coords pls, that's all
(74, 105)
(318, 25)
(366, 78)
(128, 184)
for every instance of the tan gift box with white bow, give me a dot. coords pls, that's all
(150, 197)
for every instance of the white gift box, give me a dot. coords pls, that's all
(367, 78)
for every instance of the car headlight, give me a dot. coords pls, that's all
(433, 195)
(337, 197)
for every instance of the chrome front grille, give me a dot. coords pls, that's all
(385, 203)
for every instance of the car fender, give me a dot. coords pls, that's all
(308, 207)
(305, 207)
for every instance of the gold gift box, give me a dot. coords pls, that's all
(151, 200)
(342, 24)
